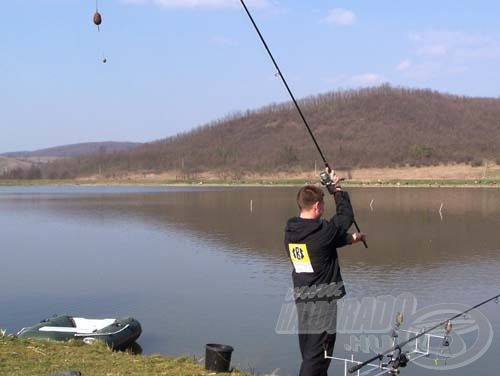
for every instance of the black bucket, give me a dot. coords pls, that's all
(217, 357)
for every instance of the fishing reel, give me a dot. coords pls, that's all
(401, 360)
(398, 358)
(326, 180)
(396, 361)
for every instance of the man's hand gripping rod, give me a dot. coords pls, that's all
(326, 180)
(291, 96)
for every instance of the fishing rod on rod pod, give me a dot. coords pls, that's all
(402, 359)
(293, 100)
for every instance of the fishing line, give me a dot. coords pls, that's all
(97, 17)
(286, 84)
(97, 21)
(293, 98)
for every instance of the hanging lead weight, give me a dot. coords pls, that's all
(97, 18)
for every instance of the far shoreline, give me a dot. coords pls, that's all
(424, 183)
(456, 175)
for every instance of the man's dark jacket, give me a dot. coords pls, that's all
(321, 279)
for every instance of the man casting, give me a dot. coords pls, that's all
(311, 244)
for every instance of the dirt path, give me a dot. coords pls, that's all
(451, 172)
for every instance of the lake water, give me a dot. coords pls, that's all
(199, 265)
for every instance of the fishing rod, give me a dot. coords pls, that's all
(293, 98)
(447, 326)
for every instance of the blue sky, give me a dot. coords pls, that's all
(173, 65)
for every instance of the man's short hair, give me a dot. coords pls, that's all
(308, 195)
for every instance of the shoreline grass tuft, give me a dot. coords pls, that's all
(30, 357)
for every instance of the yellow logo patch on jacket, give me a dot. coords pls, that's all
(300, 258)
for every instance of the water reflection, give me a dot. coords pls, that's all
(404, 226)
(196, 265)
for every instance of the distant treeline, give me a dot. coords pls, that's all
(75, 150)
(374, 127)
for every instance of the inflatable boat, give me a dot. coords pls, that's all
(116, 333)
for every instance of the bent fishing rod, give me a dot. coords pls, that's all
(446, 323)
(293, 98)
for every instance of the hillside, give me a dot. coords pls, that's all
(29, 164)
(75, 150)
(374, 127)
(12, 163)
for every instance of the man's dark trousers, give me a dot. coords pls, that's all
(317, 333)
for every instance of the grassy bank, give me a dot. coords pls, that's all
(258, 182)
(38, 357)
(442, 175)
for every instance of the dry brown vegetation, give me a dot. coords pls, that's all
(40, 357)
(369, 128)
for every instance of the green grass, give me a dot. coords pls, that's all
(428, 182)
(26, 182)
(259, 182)
(19, 356)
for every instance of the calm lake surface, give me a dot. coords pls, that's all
(207, 265)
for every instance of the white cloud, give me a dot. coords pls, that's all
(337, 80)
(366, 79)
(455, 44)
(434, 50)
(201, 4)
(341, 17)
(441, 52)
(404, 65)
